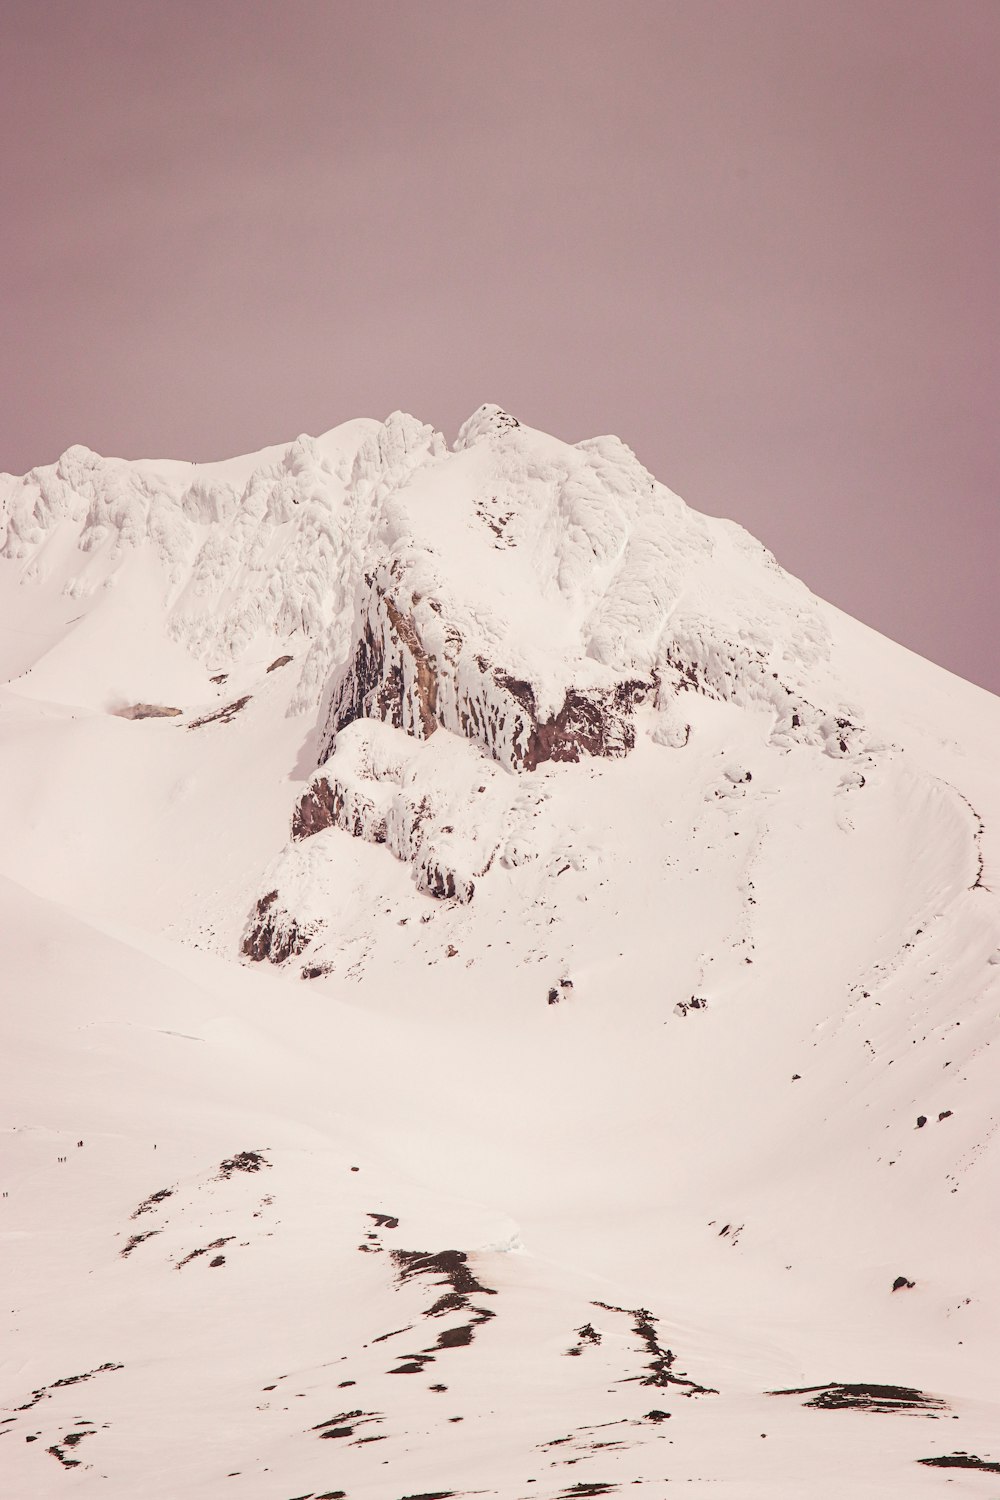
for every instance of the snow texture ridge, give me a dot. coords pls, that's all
(335, 542)
(274, 554)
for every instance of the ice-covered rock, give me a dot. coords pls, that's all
(266, 548)
(518, 590)
(442, 807)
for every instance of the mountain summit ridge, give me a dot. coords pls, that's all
(615, 556)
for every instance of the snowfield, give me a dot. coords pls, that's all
(499, 986)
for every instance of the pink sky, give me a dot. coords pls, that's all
(758, 239)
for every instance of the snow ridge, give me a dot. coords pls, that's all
(276, 555)
(379, 551)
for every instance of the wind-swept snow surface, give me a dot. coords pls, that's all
(499, 992)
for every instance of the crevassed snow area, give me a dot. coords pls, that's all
(623, 1056)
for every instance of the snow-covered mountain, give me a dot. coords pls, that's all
(537, 956)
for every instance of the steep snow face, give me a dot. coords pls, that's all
(505, 591)
(530, 594)
(619, 1090)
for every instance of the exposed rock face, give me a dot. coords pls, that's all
(391, 675)
(318, 808)
(329, 803)
(443, 809)
(441, 806)
(272, 932)
(413, 668)
(595, 722)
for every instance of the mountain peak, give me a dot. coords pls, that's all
(487, 421)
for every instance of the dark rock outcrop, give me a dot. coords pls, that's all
(961, 1461)
(221, 715)
(326, 803)
(882, 1399)
(147, 711)
(272, 933)
(414, 669)
(596, 722)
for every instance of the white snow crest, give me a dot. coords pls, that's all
(278, 557)
(423, 584)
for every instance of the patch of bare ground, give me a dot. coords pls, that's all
(243, 1161)
(346, 1423)
(147, 711)
(150, 1203)
(660, 1369)
(448, 1271)
(221, 715)
(882, 1399)
(961, 1461)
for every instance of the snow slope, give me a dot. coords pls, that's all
(524, 998)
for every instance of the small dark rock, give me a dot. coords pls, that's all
(243, 1161)
(961, 1461)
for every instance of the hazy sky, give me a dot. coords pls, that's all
(759, 239)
